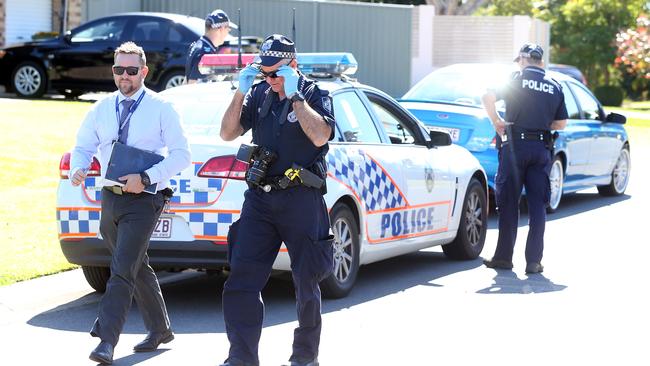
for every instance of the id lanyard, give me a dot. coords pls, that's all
(132, 109)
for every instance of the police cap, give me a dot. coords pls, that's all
(530, 50)
(219, 19)
(275, 48)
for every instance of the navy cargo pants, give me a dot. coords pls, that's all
(522, 164)
(298, 217)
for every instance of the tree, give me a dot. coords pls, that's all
(633, 57)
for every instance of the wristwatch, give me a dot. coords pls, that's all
(144, 178)
(297, 97)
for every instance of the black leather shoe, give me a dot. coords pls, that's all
(498, 263)
(103, 353)
(236, 362)
(534, 267)
(313, 362)
(154, 340)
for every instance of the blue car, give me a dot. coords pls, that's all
(593, 150)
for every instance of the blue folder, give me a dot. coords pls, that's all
(126, 160)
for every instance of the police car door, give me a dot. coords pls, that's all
(578, 137)
(426, 174)
(362, 163)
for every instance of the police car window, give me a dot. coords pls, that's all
(353, 119)
(588, 104)
(396, 131)
(150, 31)
(174, 35)
(109, 30)
(571, 105)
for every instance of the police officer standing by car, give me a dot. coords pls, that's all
(137, 117)
(534, 106)
(217, 27)
(292, 121)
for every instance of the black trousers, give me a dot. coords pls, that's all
(126, 225)
(298, 217)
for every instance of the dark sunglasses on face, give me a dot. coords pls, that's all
(271, 74)
(131, 70)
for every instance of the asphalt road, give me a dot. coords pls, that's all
(589, 307)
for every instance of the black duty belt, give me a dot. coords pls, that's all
(116, 190)
(527, 136)
(274, 182)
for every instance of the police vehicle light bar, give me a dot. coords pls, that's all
(319, 64)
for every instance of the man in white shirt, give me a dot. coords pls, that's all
(138, 117)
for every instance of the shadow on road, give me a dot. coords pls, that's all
(194, 304)
(507, 282)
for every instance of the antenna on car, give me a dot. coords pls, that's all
(293, 27)
(239, 65)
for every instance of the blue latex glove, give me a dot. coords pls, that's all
(290, 76)
(247, 77)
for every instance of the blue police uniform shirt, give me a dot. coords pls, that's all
(199, 48)
(288, 141)
(533, 100)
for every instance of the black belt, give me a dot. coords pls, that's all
(527, 136)
(274, 182)
(116, 190)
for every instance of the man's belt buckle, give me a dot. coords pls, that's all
(116, 190)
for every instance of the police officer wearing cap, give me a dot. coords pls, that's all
(293, 118)
(217, 27)
(534, 106)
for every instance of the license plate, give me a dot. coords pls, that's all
(453, 132)
(163, 228)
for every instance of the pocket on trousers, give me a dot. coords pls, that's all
(232, 239)
(322, 257)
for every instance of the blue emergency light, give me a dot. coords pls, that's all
(317, 64)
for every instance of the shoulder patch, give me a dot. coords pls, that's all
(327, 103)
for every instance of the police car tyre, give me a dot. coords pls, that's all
(29, 80)
(97, 277)
(473, 225)
(620, 175)
(346, 253)
(556, 180)
(173, 79)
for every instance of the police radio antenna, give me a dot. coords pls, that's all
(239, 65)
(293, 27)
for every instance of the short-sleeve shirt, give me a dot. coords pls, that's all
(287, 139)
(199, 48)
(533, 100)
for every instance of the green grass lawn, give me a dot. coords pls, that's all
(36, 134)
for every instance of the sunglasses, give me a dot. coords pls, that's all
(131, 70)
(271, 74)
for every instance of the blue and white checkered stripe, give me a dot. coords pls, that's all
(209, 224)
(368, 180)
(77, 221)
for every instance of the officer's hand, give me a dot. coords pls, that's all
(133, 183)
(290, 76)
(247, 77)
(500, 127)
(78, 177)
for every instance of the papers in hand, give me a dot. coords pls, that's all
(126, 160)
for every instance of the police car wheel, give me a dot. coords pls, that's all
(173, 79)
(29, 80)
(620, 175)
(97, 277)
(472, 229)
(556, 180)
(346, 253)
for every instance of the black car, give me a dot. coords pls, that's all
(80, 60)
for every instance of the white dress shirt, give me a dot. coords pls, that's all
(155, 126)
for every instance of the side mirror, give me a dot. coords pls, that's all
(616, 118)
(439, 138)
(67, 37)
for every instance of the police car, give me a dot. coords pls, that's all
(593, 150)
(393, 186)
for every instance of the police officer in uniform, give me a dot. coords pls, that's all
(292, 118)
(217, 27)
(534, 106)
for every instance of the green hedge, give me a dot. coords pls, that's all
(610, 95)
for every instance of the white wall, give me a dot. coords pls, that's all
(23, 18)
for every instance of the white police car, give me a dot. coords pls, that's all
(393, 187)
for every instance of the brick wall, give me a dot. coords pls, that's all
(74, 14)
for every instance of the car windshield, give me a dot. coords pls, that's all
(460, 84)
(201, 113)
